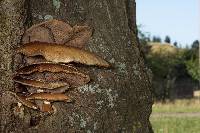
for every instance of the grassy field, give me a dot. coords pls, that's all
(178, 106)
(182, 116)
(176, 125)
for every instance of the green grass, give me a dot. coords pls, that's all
(175, 125)
(178, 106)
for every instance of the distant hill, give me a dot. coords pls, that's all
(163, 49)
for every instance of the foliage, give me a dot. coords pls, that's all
(167, 39)
(144, 37)
(168, 63)
(193, 68)
(175, 44)
(192, 62)
(162, 59)
(195, 44)
(156, 39)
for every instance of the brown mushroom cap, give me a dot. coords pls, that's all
(40, 84)
(79, 37)
(23, 100)
(49, 97)
(48, 31)
(38, 33)
(55, 31)
(61, 54)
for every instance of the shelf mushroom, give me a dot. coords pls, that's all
(51, 45)
(58, 53)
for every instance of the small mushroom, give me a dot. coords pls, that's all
(40, 84)
(61, 54)
(19, 110)
(49, 97)
(45, 106)
(23, 100)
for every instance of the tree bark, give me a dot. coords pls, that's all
(117, 100)
(11, 29)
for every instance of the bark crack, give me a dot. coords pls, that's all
(131, 14)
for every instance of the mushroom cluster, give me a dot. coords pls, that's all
(48, 50)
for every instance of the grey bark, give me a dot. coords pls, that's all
(11, 29)
(117, 100)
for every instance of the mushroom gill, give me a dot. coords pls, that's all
(54, 72)
(49, 97)
(57, 90)
(42, 67)
(74, 80)
(61, 54)
(39, 84)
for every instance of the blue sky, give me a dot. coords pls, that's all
(180, 19)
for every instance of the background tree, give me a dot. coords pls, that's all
(175, 44)
(144, 37)
(195, 44)
(156, 39)
(167, 39)
(117, 99)
(192, 61)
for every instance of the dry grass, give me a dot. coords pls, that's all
(183, 106)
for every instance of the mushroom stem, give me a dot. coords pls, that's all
(46, 107)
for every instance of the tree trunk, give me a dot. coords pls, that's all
(117, 100)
